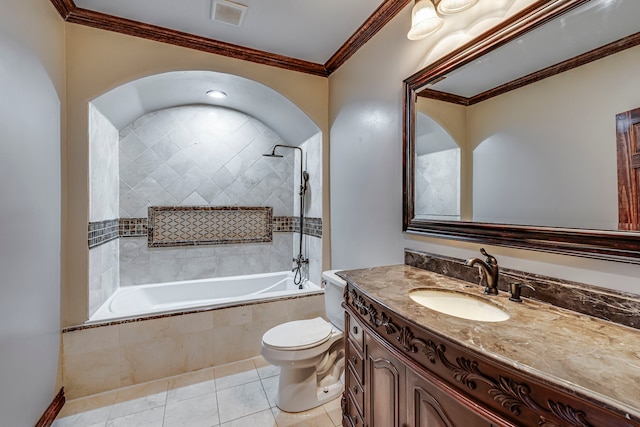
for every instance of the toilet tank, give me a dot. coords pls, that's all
(333, 297)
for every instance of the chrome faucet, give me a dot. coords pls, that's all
(491, 271)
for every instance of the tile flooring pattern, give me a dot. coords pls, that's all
(239, 394)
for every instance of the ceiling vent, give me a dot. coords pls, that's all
(228, 12)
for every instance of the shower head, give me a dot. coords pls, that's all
(305, 176)
(272, 155)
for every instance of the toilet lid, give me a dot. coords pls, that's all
(298, 335)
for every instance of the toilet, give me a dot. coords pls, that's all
(310, 353)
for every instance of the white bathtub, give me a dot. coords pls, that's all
(159, 298)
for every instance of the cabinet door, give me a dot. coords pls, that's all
(384, 380)
(430, 406)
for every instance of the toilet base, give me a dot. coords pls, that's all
(304, 386)
(298, 390)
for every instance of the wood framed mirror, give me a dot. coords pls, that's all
(589, 228)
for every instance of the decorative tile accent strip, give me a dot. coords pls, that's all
(291, 224)
(137, 227)
(312, 226)
(284, 224)
(101, 232)
(208, 225)
(619, 307)
(132, 227)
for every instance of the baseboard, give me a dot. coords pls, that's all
(52, 411)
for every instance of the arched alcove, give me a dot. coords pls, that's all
(437, 171)
(161, 141)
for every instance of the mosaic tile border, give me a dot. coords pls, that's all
(132, 227)
(138, 227)
(284, 224)
(618, 307)
(171, 226)
(100, 232)
(312, 226)
(291, 224)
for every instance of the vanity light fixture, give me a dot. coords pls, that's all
(448, 7)
(424, 20)
(216, 94)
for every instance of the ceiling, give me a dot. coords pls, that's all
(309, 36)
(581, 30)
(124, 104)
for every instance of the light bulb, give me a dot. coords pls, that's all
(424, 20)
(448, 7)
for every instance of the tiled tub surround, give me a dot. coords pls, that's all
(607, 304)
(106, 357)
(104, 273)
(205, 156)
(140, 265)
(591, 359)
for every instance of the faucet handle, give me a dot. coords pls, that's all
(515, 289)
(491, 260)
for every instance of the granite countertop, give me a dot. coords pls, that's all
(600, 359)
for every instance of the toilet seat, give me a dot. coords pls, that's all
(298, 334)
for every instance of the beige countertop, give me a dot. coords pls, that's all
(600, 359)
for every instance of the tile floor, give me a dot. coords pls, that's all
(240, 394)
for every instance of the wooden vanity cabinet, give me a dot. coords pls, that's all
(396, 395)
(399, 374)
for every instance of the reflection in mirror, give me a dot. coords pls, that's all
(544, 154)
(437, 175)
(537, 154)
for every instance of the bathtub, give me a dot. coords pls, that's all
(159, 298)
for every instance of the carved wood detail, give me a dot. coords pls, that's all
(510, 394)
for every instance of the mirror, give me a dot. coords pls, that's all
(520, 127)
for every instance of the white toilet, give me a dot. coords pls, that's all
(310, 353)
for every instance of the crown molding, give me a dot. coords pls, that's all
(382, 15)
(378, 19)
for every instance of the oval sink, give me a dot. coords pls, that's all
(458, 304)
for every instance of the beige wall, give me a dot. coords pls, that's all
(365, 107)
(545, 154)
(98, 61)
(31, 108)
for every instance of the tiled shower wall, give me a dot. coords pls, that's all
(202, 156)
(205, 156)
(103, 205)
(438, 183)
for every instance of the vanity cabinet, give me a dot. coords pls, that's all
(401, 374)
(397, 396)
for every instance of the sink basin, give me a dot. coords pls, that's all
(458, 304)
